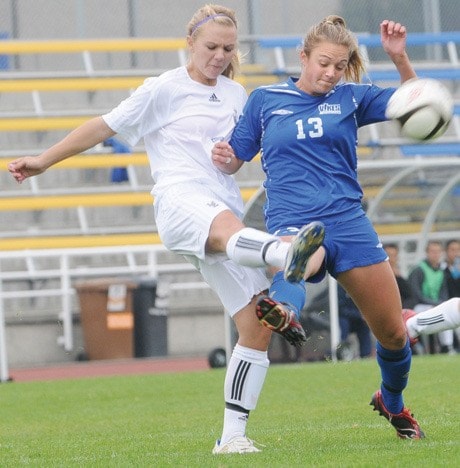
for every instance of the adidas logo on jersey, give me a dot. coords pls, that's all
(214, 98)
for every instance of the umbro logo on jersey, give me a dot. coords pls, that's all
(282, 112)
(212, 204)
(214, 98)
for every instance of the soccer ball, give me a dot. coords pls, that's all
(423, 108)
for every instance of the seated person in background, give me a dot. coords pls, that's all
(407, 295)
(351, 321)
(452, 274)
(428, 282)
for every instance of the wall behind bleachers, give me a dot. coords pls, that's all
(61, 19)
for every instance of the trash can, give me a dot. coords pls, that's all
(123, 317)
(150, 319)
(107, 318)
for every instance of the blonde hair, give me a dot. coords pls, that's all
(333, 29)
(221, 15)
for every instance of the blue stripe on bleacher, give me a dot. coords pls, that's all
(431, 149)
(436, 73)
(369, 40)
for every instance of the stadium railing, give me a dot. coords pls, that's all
(448, 70)
(57, 269)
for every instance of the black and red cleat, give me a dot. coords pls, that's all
(279, 318)
(404, 422)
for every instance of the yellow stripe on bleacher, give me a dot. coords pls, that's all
(91, 45)
(72, 201)
(104, 83)
(103, 161)
(94, 161)
(35, 124)
(90, 200)
(64, 242)
(70, 84)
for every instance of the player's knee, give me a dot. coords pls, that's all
(255, 337)
(394, 338)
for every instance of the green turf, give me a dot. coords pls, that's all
(309, 414)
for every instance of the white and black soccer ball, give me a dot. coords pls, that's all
(423, 108)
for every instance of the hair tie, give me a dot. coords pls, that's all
(208, 18)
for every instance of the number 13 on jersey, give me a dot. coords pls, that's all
(316, 125)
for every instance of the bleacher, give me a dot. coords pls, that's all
(72, 205)
(42, 121)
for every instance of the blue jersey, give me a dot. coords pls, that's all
(308, 149)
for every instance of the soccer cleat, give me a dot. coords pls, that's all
(280, 319)
(407, 314)
(305, 244)
(238, 444)
(405, 424)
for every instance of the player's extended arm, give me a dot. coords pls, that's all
(86, 136)
(393, 36)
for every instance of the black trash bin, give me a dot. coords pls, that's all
(150, 320)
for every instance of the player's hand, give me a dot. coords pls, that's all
(25, 167)
(223, 157)
(393, 36)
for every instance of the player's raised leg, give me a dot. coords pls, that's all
(280, 311)
(445, 316)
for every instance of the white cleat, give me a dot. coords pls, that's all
(239, 444)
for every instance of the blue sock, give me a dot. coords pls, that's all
(394, 368)
(292, 294)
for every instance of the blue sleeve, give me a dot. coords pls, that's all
(373, 104)
(247, 135)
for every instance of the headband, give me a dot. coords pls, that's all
(208, 18)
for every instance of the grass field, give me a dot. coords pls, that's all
(309, 414)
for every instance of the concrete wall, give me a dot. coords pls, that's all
(191, 332)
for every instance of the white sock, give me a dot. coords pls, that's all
(446, 338)
(445, 316)
(254, 248)
(244, 380)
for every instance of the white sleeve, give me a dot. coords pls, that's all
(137, 115)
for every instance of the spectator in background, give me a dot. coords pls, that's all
(429, 284)
(118, 174)
(351, 321)
(452, 269)
(452, 274)
(405, 289)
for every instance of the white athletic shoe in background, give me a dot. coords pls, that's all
(239, 444)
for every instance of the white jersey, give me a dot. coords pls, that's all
(180, 120)
(161, 108)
